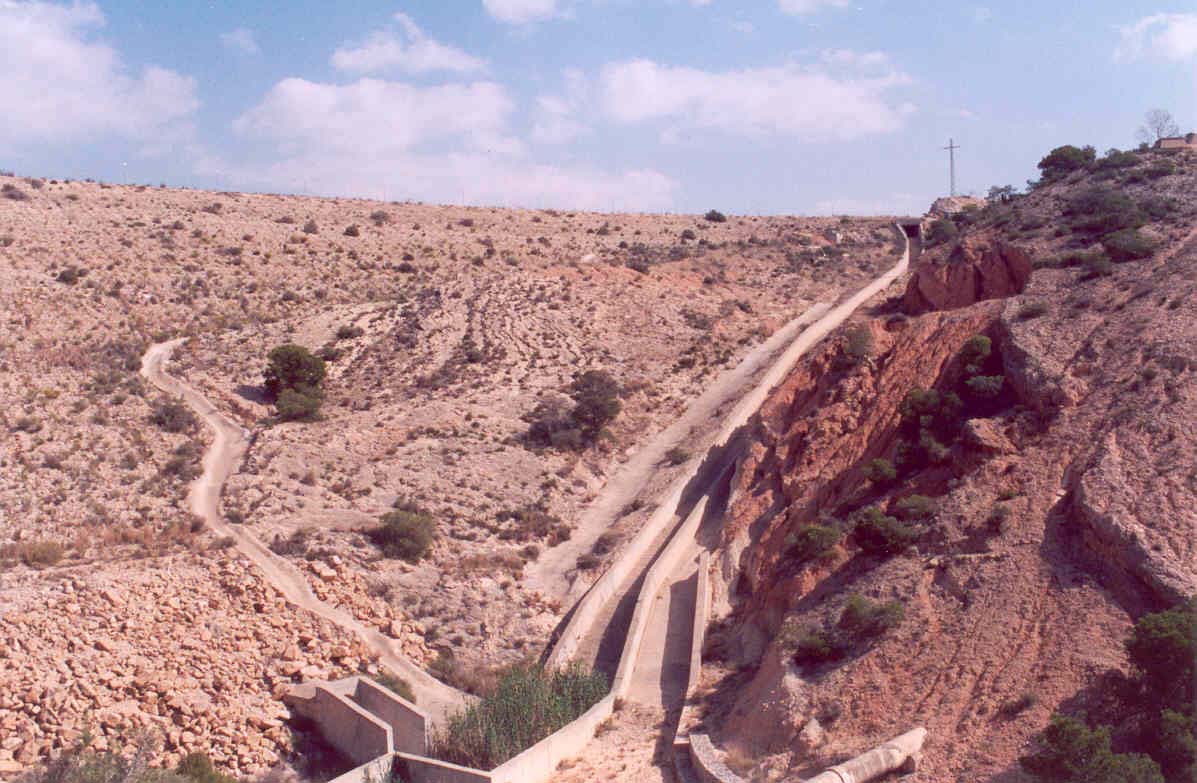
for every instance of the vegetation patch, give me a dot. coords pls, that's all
(861, 623)
(293, 379)
(528, 704)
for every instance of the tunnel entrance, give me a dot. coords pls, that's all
(912, 227)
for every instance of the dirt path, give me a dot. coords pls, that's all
(221, 459)
(550, 573)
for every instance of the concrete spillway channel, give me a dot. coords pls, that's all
(637, 619)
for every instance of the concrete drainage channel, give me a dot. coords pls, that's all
(388, 735)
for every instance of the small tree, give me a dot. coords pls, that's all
(1157, 124)
(596, 395)
(881, 535)
(292, 366)
(715, 216)
(1003, 194)
(1071, 752)
(1064, 160)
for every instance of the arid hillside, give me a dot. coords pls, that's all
(445, 332)
(953, 515)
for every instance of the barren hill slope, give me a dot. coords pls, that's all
(444, 328)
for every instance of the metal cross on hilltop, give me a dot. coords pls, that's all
(951, 148)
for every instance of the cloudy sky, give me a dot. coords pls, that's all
(768, 106)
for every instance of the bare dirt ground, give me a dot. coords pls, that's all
(96, 465)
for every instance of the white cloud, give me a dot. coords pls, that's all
(521, 11)
(58, 85)
(847, 96)
(1169, 36)
(407, 49)
(376, 117)
(557, 116)
(447, 143)
(240, 40)
(802, 7)
(740, 26)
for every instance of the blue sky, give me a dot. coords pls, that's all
(775, 106)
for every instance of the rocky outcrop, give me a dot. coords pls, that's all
(1118, 502)
(975, 270)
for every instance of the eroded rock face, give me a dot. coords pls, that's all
(975, 270)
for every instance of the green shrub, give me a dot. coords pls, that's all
(352, 230)
(975, 351)
(197, 767)
(1127, 245)
(985, 387)
(859, 344)
(676, 456)
(1163, 648)
(349, 332)
(292, 366)
(942, 230)
(405, 534)
(1031, 310)
(173, 416)
(881, 535)
(811, 542)
(299, 404)
(1071, 752)
(82, 764)
(863, 620)
(1097, 265)
(395, 684)
(813, 648)
(1103, 211)
(915, 507)
(715, 216)
(528, 704)
(881, 472)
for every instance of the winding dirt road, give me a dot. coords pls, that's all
(221, 459)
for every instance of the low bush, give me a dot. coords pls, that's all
(715, 216)
(881, 535)
(1127, 245)
(310, 227)
(84, 764)
(197, 768)
(1031, 310)
(528, 704)
(35, 554)
(811, 543)
(395, 684)
(1097, 265)
(348, 332)
(915, 507)
(299, 404)
(676, 456)
(1102, 211)
(861, 622)
(1071, 752)
(405, 534)
(173, 416)
(881, 472)
(942, 230)
(985, 387)
(352, 231)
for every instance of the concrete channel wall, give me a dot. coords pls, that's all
(409, 724)
(375, 771)
(539, 762)
(415, 768)
(357, 734)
